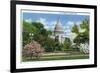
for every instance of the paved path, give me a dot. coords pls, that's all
(46, 54)
(63, 56)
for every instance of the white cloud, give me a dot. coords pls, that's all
(46, 27)
(66, 31)
(47, 24)
(42, 20)
(28, 20)
(68, 26)
(70, 23)
(78, 22)
(49, 28)
(52, 23)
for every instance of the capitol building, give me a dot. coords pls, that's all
(58, 34)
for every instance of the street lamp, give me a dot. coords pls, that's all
(31, 36)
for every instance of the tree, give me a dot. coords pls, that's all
(85, 25)
(27, 28)
(75, 30)
(49, 45)
(39, 26)
(33, 49)
(35, 28)
(82, 37)
(67, 44)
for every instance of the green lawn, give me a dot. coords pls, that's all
(57, 57)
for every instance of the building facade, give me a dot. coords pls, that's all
(59, 32)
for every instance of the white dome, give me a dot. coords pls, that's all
(58, 28)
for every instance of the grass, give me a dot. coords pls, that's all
(57, 57)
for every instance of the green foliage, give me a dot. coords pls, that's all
(75, 29)
(85, 34)
(67, 44)
(58, 46)
(38, 25)
(49, 45)
(27, 27)
(25, 38)
(82, 37)
(85, 25)
(44, 32)
(36, 28)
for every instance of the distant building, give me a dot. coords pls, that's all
(58, 32)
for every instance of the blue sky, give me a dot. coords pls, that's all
(49, 20)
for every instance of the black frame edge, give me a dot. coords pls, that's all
(55, 4)
(13, 36)
(95, 36)
(56, 68)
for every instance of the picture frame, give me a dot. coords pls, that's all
(42, 9)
